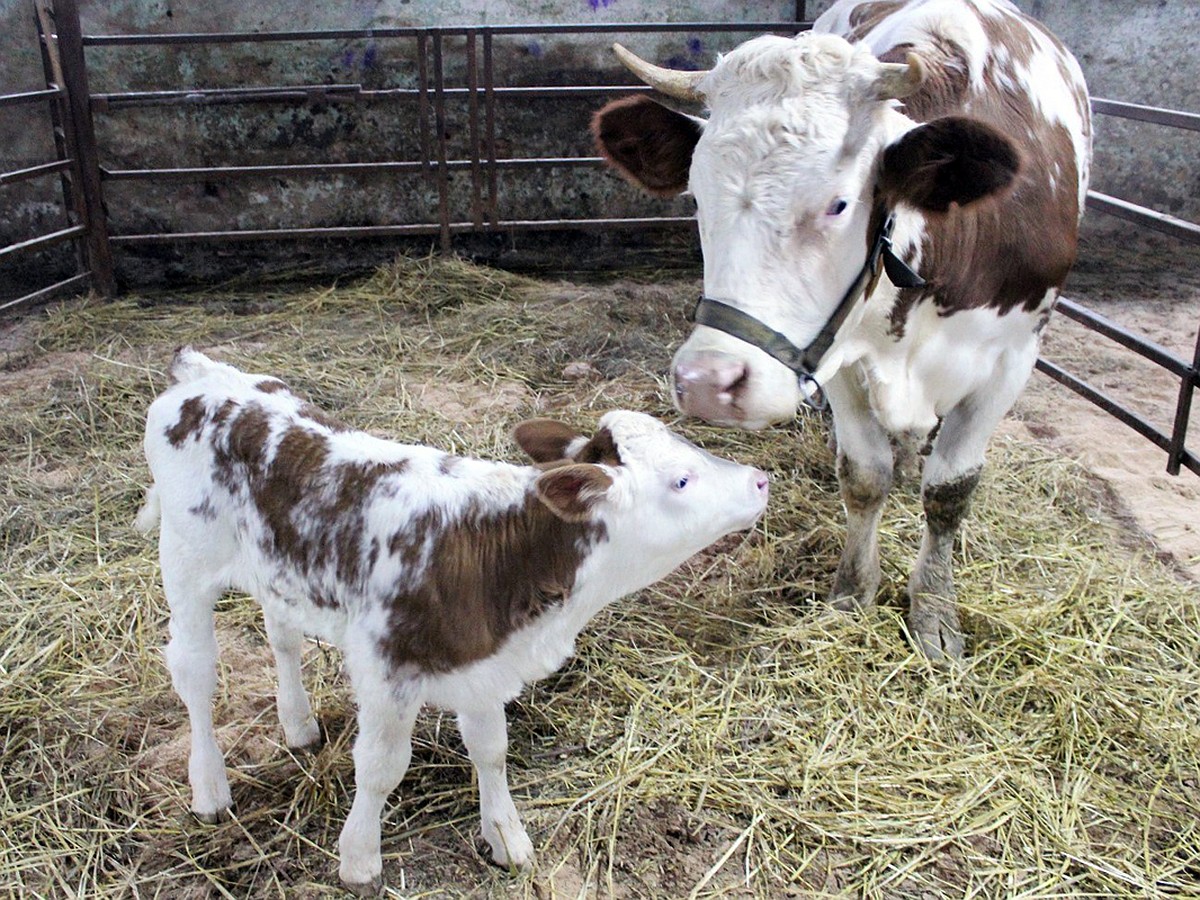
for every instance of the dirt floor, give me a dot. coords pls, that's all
(1148, 285)
(818, 757)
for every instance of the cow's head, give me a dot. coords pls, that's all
(801, 156)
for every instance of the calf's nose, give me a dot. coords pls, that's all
(707, 384)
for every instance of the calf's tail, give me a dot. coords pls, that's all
(150, 513)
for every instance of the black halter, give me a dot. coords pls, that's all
(804, 361)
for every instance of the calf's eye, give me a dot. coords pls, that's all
(680, 483)
(837, 207)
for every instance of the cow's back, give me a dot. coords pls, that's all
(988, 61)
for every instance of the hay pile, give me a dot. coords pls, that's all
(716, 734)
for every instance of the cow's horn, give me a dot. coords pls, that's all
(898, 80)
(672, 82)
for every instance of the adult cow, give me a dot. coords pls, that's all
(809, 179)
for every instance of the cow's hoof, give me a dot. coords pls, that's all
(935, 631)
(372, 888)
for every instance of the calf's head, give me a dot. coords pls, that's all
(659, 497)
(802, 157)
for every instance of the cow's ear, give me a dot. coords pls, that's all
(570, 492)
(953, 160)
(647, 143)
(544, 440)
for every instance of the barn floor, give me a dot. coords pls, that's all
(716, 735)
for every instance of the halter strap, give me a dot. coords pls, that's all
(805, 361)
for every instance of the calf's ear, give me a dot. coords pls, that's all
(650, 145)
(544, 440)
(952, 160)
(570, 492)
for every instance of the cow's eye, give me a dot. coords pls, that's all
(681, 482)
(837, 207)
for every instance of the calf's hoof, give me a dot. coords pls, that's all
(372, 888)
(512, 850)
(935, 629)
(213, 818)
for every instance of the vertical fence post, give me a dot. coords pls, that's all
(81, 137)
(1183, 408)
(439, 120)
(51, 68)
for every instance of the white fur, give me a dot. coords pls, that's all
(213, 538)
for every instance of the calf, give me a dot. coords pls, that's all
(444, 580)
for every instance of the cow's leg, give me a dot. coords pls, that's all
(386, 711)
(191, 655)
(486, 735)
(864, 470)
(951, 474)
(300, 727)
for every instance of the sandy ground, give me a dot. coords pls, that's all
(1149, 286)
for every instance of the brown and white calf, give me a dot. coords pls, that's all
(444, 580)
(924, 330)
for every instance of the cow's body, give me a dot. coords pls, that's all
(444, 580)
(803, 156)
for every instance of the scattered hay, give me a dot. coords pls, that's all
(716, 734)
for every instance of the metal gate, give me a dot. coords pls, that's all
(83, 175)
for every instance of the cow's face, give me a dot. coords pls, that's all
(801, 153)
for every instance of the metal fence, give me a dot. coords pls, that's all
(83, 176)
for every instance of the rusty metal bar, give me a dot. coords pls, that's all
(80, 281)
(1093, 321)
(340, 93)
(27, 97)
(221, 173)
(489, 103)
(1176, 452)
(1123, 209)
(357, 231)
(61, 165)
(1110, 406)
(81, 138)
(423, 99)
(439, 119)
(43, 241)
(1155, 115)
(240, 37)
(473, 129)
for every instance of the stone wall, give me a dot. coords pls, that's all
(1137, 52)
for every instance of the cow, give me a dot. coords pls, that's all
(444, 580)
(888, 206)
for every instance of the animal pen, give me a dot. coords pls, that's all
(715, 735)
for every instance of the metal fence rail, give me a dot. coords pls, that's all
(83, 175)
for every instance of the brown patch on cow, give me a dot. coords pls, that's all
(271, 386)
(866, 16)
(488, 574)
(447, 464)
(650, 145)
(600, 449)
(191, 422)
(1006, 252)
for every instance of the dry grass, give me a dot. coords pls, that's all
(716, 734)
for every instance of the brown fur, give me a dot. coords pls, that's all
(650, 145)
(488, 575)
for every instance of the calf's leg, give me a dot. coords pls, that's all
(485, 733)
(300, 727)
(382, 751)
(191, 656)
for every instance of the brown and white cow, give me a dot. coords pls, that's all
(444, 580)
(809, 179)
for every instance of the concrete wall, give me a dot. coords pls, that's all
(1140, 52)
